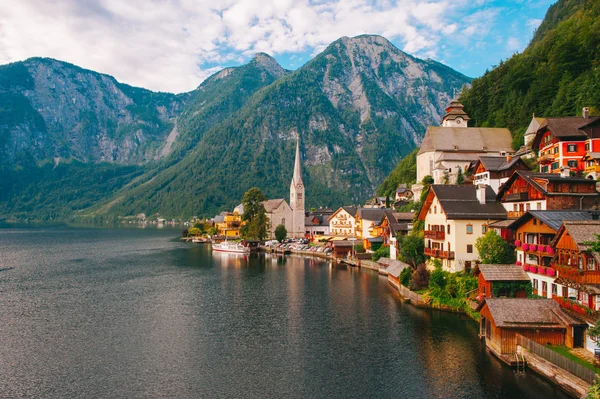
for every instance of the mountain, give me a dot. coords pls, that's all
(358, 107)
(556, 75)
(54, 110)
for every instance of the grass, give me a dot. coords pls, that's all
(563, 350)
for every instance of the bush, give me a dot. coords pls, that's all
(406, 277)
(382, 252)
(280, 233)
(437, 279)
(359, 249)
(420, 278)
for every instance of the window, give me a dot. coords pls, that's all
(580, 263)
(435, 209)
(572, 147)
(515, 207)
(527, 206)
(539, 206)
(544, 287)
(544, 169)
(448, 229)
(587, 146)
(572, 163)
(590, 263)
(555, 165)
(554, 290)
(534, 282)
(556, 150)
(469, 229)
(483, 229)
(469, 248)
(565, 292)
(534, 221)
(283, 221)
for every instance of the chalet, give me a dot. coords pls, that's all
(591, 165)
(392, 225)
(495, 171)
(527, 190)
(540, 320)
(454, 217)
(316, 222)
(563, 142)
(343, 222)
(578, 268)
(278, 212)
(453, 145)
(368, 225)
(502, 280)
(403, 193)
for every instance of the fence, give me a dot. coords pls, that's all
(557, 359)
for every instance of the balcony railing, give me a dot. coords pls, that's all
(436, 253)
(435, 235)
(447, 254)
(432, 252)
(546, 159)
(515, 214)
(524, 196)
(579, 276)
(592, 169)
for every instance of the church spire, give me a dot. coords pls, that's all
(297, 169)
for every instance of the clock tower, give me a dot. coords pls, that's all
(297, 197)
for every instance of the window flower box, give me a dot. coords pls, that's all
(532, 247)
(550, 272)
(533, 269)
(525, 247)
(549, 250)
(517, 243)
(519, 263)
(541, 270)
(526, 268)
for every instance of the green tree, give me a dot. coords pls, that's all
(255, 216)
(212, 231)
(460, 177)
(194, 231)
(493, 249)
(446, 178)
(382, 252)
(280, 233)
(412, 250)
(406, 277)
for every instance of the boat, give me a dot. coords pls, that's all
(200, 240)
(229, 246)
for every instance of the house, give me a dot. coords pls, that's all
(394, 269)
(316, 222)
(497, 281)
(368, 226)
(230, 225)
(377, 202)
(278, 212)
(403, 193)
(540, 320)
(578, 268)
(394, 224)
(495, 171)
(591, 165)
(454, 217)
(453, 145)
(527, 190)
(343, 222)
(526, 151)
(563, 142)
(341, 248)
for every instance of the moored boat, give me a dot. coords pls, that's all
(200, 240)
(229, 246)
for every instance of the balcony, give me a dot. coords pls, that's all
(546, 159)
(446, 254)
(435, 235)
(524, 196)
(592, 169)
(436, 253)
(432, 252)
(515, 214)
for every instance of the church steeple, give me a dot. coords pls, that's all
(455, 115)
(297, 196)
(297, 179)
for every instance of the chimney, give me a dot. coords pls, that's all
(481, 193)
(508, 158)
(585, 112)
(565, 171)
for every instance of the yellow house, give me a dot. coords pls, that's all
(230, 226)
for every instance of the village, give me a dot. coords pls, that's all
(534, 214)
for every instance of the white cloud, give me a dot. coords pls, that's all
(534, 23)
(513, 44)
(172, 45)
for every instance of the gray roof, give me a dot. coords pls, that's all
(460, 202)
(498, 163)
(503, 272)
(351, 210)
(528, 313)
(582, 231)
(374, 214)
(395, 267)
(470, 139)
(271, 205)
(552, 218)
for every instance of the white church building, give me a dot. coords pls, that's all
(292, 216)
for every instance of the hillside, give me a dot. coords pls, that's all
(557, 75)
(358, 107)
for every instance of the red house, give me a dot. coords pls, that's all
(493, 279)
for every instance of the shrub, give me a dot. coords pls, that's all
(382, 252)
(437, 279)
(359, 249)
(420, 278)
(406, 277)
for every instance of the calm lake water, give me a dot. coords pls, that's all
(134, 313)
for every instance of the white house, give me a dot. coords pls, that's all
(343, 222)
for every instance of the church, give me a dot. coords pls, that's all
(292, 216)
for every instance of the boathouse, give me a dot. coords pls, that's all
(502, 280)
(540, 320)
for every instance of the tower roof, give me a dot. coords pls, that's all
(455, 110)
(297, 179)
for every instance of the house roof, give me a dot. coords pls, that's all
(591, 155)
(552, 218)
(271, 205)
(374, 214)
(497, 163)
(409, 216)
(529, 313)
(394, 267)
(503, 272)
(469, 139)
(581, 231)
(540, 182)
(567, 128)
(349, 209)
(460, 202)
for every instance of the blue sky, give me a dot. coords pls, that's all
(172, 45)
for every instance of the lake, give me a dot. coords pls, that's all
(134, 313)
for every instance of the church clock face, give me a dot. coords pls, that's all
(459, 120)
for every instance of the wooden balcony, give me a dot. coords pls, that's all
(435, 235)
(446, 254)
(436, 253)
(432, 252)
(546, 159)
(592, 169)
(579, 276)
(515, 214)
(524, 196)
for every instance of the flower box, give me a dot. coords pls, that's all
(549, 250)
(519, 263)
(550, 272)
(517, 243)
(525, 247)
(532, 247)
(526, 268)
(533, 269)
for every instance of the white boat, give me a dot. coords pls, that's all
(200, 240)
(227, 246)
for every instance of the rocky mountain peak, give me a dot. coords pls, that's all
(265, 61)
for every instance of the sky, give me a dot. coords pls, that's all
(173, 45)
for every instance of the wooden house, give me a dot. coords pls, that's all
(393, 272)
(525, 191)
(498, 278)
(341, 248)
(394, 224)
(495, 171)
(541, 320)
(578, 268)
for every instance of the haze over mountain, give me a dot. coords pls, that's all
(358, 107)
